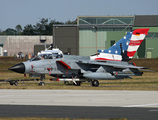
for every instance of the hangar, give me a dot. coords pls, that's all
(91, 33)
(100, 32)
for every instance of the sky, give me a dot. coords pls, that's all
(23, 12)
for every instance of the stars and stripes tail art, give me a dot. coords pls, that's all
(137, 38)
(124, 49)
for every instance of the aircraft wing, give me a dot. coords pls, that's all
(114, 64)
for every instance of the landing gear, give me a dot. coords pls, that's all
(41, 83)
(77, 83)
(13, 83)
(95, 83)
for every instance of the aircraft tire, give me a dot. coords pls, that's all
(11, 83)
(16, 83)
(95, 83)
(41, 83)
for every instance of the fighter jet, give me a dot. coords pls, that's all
(77, 69)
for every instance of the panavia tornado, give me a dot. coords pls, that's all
(108, 64)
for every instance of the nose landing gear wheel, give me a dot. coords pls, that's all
(11, 83)
(41, 83)
(14, 83)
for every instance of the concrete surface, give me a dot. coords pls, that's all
(104, 98)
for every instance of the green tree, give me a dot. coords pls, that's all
(71, 22)
(40, 27)
(43, 27)
(9, 31)
(28, 30)
(18, 29)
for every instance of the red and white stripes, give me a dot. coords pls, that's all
(137, 38)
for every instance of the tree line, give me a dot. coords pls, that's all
(43, 27)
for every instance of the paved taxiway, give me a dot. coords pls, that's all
(79, 104)
(108, 98)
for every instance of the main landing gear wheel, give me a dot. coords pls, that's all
(95, 83)
(41, 83)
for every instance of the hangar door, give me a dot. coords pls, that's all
(66, 38)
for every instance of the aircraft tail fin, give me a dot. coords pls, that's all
(126, 47)
(137, 38)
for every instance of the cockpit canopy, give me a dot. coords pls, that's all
(48, 56)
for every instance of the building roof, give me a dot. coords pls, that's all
(146, 21)
(105, 20)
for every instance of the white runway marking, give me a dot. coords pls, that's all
(144, 105)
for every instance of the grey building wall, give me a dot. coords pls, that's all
(146, 21)
(2, 41)
(24, 44)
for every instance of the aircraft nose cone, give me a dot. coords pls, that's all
(19, 68)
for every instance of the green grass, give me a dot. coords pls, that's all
(149, 81)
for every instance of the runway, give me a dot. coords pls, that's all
(79, 104)
(78, 112)
(108, 98)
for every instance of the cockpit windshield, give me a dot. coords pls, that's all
(47, 56)
(56, 55)
(96, 54)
